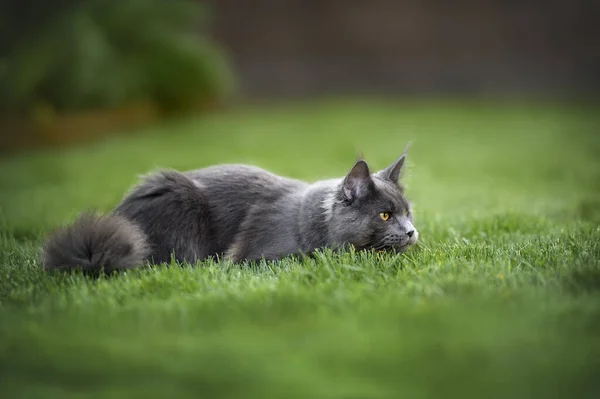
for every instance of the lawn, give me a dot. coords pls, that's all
(501, 299)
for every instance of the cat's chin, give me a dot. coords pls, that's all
(397, 249)
(402, 249)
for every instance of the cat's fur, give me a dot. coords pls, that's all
(237, 212)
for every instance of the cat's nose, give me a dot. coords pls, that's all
(410, 233)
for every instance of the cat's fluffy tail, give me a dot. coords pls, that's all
(96, 243)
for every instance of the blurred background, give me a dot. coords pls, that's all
(73, 70)
(499, 98)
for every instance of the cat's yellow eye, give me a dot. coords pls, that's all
(384, 216)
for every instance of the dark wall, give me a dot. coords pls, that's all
(295, 47)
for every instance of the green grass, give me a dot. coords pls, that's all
(500, 299)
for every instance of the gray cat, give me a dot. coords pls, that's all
(238, 212)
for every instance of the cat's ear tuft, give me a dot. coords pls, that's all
(392, 172)
(357, 181)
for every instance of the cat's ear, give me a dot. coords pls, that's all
(357, 181)
(392, 172)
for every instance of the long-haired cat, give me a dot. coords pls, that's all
(238, 212)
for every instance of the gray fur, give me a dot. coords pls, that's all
(241, 213)
(94, 242)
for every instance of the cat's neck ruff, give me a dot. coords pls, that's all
(329, 189)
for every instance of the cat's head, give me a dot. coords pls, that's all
(370, 210)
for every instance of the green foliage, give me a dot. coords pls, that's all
(500, 300)
(104, 53)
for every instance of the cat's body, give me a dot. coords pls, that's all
(240, 211)
(237, 212)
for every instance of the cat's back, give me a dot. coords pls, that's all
(244, 182)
